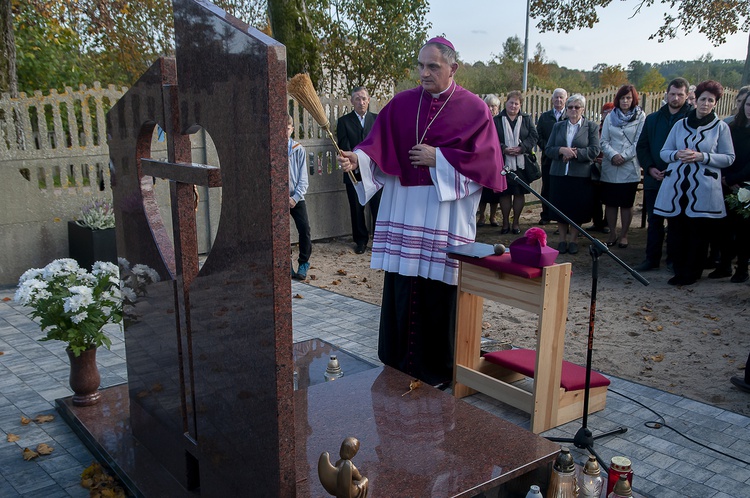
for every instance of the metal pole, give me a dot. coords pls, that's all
(526, 49)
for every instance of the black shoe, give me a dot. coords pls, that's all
(681, 280)
(741, 384)
(709, 264)
(504, 231)
(516, 231)
(721, 272)
(670, 267)
(646, 266)
(739, 276)
(360, 249)
(572, 248)
(562, 247)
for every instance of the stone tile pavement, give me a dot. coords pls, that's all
(33, 374)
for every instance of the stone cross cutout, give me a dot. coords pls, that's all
(209, 351)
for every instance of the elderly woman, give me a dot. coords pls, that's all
(488, 195)
(518, 136)
(697, 148)
(734, 237)
(621, 171)
(573, 146)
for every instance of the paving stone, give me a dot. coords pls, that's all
(729, 486)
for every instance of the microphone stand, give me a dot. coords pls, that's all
(584, 439)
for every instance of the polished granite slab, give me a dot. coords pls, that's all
(424, 443)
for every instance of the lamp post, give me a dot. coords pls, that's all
(526, 49)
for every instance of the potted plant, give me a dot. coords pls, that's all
(73, 305)
(92, 238)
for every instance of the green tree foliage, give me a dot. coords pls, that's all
(716, 18)
(652, 81)
(291, 25)
(370, 43)
(48, 53)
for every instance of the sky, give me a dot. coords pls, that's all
(478, 28)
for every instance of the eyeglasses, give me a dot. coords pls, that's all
(576, 107)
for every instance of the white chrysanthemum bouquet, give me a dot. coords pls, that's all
(740, 201)
(73, 303)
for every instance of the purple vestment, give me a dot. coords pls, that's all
(463, 130)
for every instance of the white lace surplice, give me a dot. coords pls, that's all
(415, 222)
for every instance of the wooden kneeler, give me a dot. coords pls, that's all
(543, 291)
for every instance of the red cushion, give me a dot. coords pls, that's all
(501, 263)
(523, 361)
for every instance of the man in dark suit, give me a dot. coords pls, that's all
(544, 127)
(351, 129)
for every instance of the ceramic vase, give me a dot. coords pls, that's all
(84, 378)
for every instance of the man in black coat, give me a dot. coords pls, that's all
(351, 129)
(544, 127)
(656, 128)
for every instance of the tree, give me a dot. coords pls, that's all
(715, 19)
(611, 75)
(291, 25)
(370, 43)
(652, 81)
(8, 79)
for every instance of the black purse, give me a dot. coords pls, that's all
(531, 165)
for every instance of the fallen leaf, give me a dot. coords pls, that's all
(44, 449)
(413, 385)
(25, 421)
(658, 357)
(298, 296)
(648, 310)
(40, 419)
(648, 318)
(29, 454)
(364, 279)
(341, 271)
(486, 334)
(336, 282)
(2, 353)
(312, 277)
(486, 325)
(659, 328)
(711, 317)
(716, 332)
(12, 438)
(6, 299)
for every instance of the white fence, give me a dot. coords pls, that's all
(54, 157)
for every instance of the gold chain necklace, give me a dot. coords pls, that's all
(419, 109)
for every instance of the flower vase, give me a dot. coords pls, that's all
(84, 377)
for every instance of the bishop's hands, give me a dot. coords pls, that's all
(348, 161)
(423, 155)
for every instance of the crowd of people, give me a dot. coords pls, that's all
(436, 156)
(686, 157)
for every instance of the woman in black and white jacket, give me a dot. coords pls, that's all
(690, 195)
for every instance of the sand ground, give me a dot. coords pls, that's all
(684, 340)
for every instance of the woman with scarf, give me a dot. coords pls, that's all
(697, 148)
(518, 136)
(621, 171)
